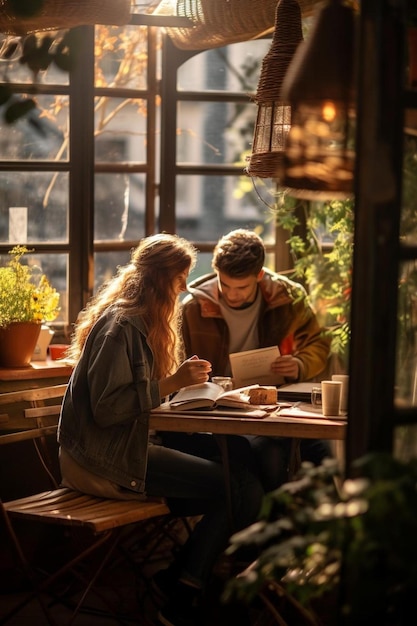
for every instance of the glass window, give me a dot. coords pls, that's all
(119, 206)
(214, 132)
(216, 200)
(106, 263)
(33, 207)
(406, 367)
(120, 130)
(234, 68)
(11, 67)
(408, 224)
(42, 134)
(121, 57)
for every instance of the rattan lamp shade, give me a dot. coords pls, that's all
(274, 114)
(63, 14)
(218, 23)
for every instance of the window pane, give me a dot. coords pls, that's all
(203, 266)
(408, 223)
(120, 130)
(405, 443)
(214, 132)
(42, 134)
(121, 57)
(119, 206)
(45, 197)
(406, 367)
(207, 206)
(235, 68)
(21, 72)
(106, 263)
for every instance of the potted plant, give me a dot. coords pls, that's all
(27, 300)
(341, 553)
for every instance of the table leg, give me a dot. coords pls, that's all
(295, 458)
(222, 443)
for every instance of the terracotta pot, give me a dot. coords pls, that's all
(17, 343)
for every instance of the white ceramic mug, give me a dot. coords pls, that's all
(331, 392)
(344, 379)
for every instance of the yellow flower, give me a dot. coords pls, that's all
(25, 292)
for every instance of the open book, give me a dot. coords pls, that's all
(209, 395)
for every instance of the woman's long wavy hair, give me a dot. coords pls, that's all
(145, 287)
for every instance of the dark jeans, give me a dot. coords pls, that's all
(194, 484)
(272, 457)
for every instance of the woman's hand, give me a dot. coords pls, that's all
(193, 371)
(190, 372)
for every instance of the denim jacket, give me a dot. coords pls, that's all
(104, 422)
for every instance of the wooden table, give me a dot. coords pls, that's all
(296, 428)
(273, 425)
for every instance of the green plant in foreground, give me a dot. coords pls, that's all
(358, 541)
(25, 292)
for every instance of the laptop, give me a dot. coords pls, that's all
(296, 392)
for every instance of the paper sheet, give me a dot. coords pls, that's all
(254, 367)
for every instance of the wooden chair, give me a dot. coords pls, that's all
(106, 522)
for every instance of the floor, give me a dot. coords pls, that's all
(125, 583)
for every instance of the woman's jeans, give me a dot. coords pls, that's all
(194, 485)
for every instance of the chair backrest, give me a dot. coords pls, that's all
(31, 413)
(29, 419)
(36, 412)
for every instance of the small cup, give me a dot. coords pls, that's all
(344, 379)
(331, 392)
(224, 381)
(57, 351)
(316, 400)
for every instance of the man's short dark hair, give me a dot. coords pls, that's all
(238, 254)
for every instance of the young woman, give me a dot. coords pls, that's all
(127, 357)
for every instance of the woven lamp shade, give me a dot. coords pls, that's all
(218, 23)
(274, 114)
(63, 14)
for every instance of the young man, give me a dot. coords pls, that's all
(244, 306)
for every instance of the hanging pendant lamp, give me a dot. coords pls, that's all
(319, 85)
(274, 115)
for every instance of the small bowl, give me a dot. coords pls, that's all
(57, 350)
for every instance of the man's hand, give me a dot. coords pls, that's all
(287, 366)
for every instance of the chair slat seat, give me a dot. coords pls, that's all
(70, 508)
